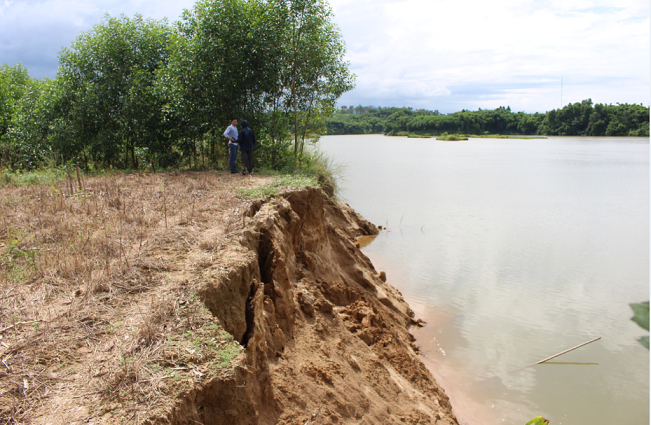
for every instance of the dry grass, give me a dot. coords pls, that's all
(96, 292)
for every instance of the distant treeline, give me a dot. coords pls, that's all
(576, 119)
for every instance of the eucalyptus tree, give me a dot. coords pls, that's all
(315, 73)
(276, 62)
(224, 61)
(30, 136)
(14, 82)
(109, 103)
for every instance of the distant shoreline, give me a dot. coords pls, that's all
(497, 136)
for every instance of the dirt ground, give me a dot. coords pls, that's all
(168, 299)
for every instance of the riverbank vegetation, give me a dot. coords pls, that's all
(135, 93)
(451, 137)
(576, 119)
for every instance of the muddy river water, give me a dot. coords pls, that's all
(513, 251)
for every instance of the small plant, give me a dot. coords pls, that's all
(538, 420)
(228, 353)
(641, 317)
(112, 327)
(16, 258)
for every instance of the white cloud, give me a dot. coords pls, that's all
(4, 6)
(33, 32)
(513, 51)
(424, 53)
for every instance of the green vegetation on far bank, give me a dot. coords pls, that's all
(501, 136)
(576, 119)
(451, 137)
(446, 136)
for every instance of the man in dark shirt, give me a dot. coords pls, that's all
(246, 141)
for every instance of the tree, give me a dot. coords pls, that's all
(33, 124)
(316, 74)
(224, 64)
(14, 82)
(109, 101)
(273, 62)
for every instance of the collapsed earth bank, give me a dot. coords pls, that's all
(326, 338)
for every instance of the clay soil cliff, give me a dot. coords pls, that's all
(275, 318)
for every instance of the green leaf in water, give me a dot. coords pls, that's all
(538, 420)
(641, 317)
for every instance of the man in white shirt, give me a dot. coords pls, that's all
(231, 134)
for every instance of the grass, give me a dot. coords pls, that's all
(274, 188)
(48, 176)
(315, 169)
(227, 353)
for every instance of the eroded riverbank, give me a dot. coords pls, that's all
(326, 339)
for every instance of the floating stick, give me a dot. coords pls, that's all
(549, 358)
(566, 351)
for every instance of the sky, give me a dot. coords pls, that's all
(531, 55)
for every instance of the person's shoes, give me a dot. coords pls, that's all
(243, 172)
(233, 172)
(250, 173)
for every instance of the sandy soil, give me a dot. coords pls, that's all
(167, 299)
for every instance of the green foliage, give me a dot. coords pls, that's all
(641, 317)
(224, 62)
(538, 420)
(365, 119)
(140, 93)
(278, 64)
(451, 137)
(109, 103)
(578, 119)
(582, 119)
(32, 127)
(15, 84)
(135, 93)
(47, 176)
(316, 75)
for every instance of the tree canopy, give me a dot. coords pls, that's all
(136, 91)
(576, 119)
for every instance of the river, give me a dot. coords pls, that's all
(513, 251)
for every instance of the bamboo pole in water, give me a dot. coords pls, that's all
(551, 357)
(566, 351)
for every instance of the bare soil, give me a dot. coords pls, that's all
(167, 299)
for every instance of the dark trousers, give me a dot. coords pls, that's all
(247, 160)
(231, 159)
